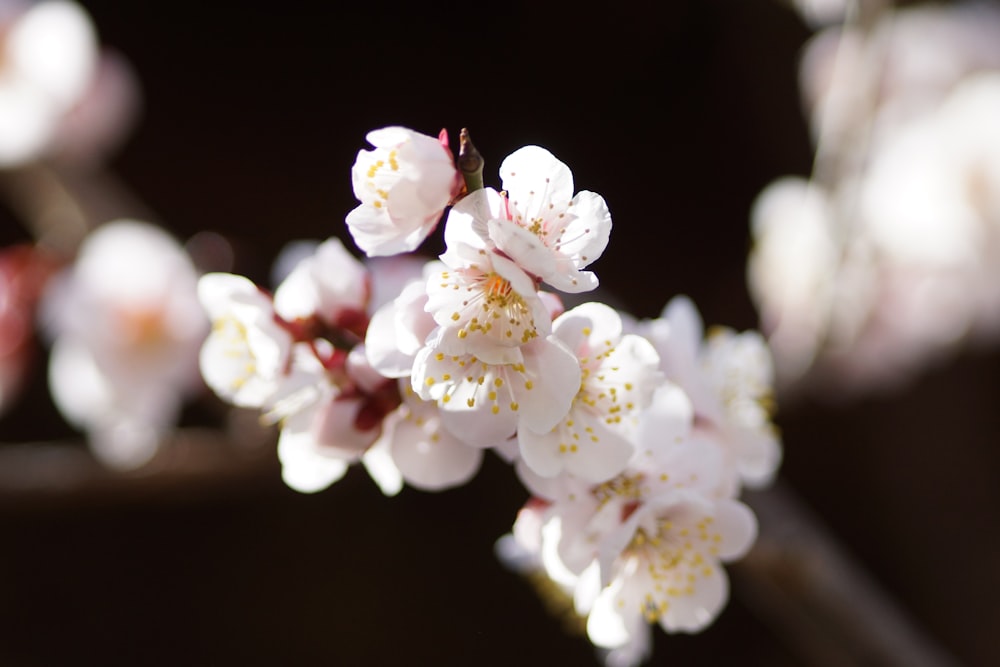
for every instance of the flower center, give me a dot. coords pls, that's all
(501, 314)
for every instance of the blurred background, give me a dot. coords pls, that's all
(678, 114)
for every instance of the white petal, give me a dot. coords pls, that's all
(381, 468)
(430, 457)
(534, 178)
(607, 625)
(554, 373)
(302, 467)
(692, 613)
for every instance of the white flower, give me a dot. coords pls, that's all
(667, 568)
(404, 185)
(329, 284)
(48, 54)
(243, 358)
(127, 325)
(484, 305)
(619, 374)
(729, 379)
(485, 404)
(646, 546)
(538, 222)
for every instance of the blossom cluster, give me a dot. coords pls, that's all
(886, 259)
(633, 437)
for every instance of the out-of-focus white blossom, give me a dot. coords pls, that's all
(404, 185)
(59, 95)
(126, 326)
(888, 261)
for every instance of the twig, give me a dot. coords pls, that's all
(801, 581)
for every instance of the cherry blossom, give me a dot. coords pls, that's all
(399, 329)
(245, 355)
(619, 373)
(487, 403)
(126, 326)
(404, 185)
(47, 58)
(537, 221)
(330, 409)
(668, 569)
(484, 305)
(329, 284)
(729, 380)
(633, 438)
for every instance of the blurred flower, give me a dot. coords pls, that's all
(126, 327)
(59, 95)
(404, 185)
(888, 259)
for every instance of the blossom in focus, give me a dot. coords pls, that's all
(644, 547)
(669, 567)
(538, 222)
(619, 373)
(126, 326)
(487, 403)
(246, 353)
(404, 184)
(484, 305)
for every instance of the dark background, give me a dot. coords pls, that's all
(678, 113)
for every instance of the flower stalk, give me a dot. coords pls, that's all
(470, 162)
